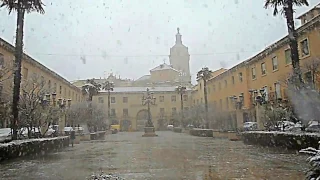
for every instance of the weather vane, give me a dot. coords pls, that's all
(178, 29)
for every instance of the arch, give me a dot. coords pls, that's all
(142, 117)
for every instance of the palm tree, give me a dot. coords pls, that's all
(287, 10)
(91, 88)
(21, 6)
(204, 75)
(181, 90)
(108, 86)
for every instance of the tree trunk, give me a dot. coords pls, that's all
(206, 102)
(181, 100)
(17, 71)
(292, 34)
(109, 106)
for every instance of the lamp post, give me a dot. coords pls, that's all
(148, 99)
(181, 90)
(62, 104)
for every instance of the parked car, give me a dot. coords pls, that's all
(5, 135)
(250, 126)
(170, 127)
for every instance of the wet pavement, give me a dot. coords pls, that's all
(168, 156)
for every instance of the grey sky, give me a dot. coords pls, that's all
(110, 32)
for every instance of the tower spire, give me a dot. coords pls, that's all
(178, 37)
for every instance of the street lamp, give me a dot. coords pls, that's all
(237, 103)
(62, 104)
(148, 99)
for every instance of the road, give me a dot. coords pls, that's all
(169, 156)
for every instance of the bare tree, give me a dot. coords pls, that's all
(34, 110)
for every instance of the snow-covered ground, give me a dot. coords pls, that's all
(284, 133)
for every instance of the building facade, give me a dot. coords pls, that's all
(31, 69)
(269, 69)
(127, 108)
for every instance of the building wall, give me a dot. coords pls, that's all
(134, 105)
(309, 31)
(164, 75)
(31, 67)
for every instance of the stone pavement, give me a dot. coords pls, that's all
(168, 156)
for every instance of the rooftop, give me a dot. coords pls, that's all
(163, 66)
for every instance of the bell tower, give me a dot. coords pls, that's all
(180, 57)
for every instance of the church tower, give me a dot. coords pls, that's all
(180, 57)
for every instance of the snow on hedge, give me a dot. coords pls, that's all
(283, 133)
(19, 142)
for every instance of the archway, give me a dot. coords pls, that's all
(142, 117)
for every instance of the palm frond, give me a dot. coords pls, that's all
(27, 5)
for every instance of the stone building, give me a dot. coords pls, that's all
(268, 69)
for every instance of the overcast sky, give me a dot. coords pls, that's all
(129, 37)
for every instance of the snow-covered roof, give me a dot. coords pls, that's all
(144, 89)
(315, 7)
(143, 78)
(163, 66)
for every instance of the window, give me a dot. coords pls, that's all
(162, 111)
(69, 94)
(25, 73)
(308, 77)
(200, 86)
(49, 85)
(113, 99)
(275, 63)
(125, 112)
(227, 102)
(42, 80)
(185, 97)
(225, 83)
(287, 54)
(161, 98)
(125, 99)
(1, 60)
(76, 97)
(253, 73)
(219, 86)
(173, 98)
(263, 68)
(232, 79)
(65, 91)
(174, 111)
(72, 95)
(194, 102)
(240, 77)
(113, 112)
(1, 89)
(304, 47)
(60, 90)
(100, 99)
(278, 90)
(55, 87)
